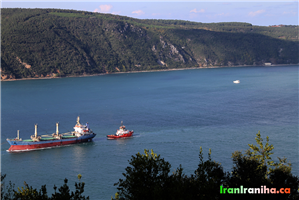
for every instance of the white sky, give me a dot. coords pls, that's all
(256, 12)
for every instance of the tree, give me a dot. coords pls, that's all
(1, 185)
(256, 168)
(282, 179)
(203, 184)
(79, 190)
(247, 171)
(146, 178)
(64, 192)
(30, 193)
(262, 153)
(208, 177)
(149, 178)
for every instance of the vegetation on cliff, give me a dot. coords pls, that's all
(53, 42)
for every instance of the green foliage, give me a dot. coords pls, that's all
(247, 171)
(79, 190)
(208, 177)
(256, 168)
(79, 177)
(280, 178)
(64, 191)
(262, 153)
(7, 192)
(148, 177)
(116, 197)
(30, 193)
(1, 184)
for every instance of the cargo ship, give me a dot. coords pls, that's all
(122, 132)
(81, 133)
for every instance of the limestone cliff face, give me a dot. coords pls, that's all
(168, 51)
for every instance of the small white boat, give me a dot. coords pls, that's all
(236, 81)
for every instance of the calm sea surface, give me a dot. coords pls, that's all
(173, 113)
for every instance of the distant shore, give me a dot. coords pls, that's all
(161, 70)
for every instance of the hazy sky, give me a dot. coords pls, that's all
(256, 12)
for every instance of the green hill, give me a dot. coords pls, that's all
(52, 42)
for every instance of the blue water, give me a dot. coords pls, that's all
(173, 113)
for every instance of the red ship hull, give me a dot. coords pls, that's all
(82, 133)
(30, 147)
(130, 134)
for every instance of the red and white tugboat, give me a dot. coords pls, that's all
(122, 132)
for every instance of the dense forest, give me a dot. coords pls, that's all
(56, 43)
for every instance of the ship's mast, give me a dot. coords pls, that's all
(35, 134)
(57, 132)
(78, 120)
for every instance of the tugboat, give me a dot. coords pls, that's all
(122, 132)
(81, 134)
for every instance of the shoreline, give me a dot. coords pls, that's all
(161, 70)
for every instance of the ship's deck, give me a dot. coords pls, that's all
(51, 138)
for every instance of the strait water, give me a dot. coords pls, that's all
(173, 113)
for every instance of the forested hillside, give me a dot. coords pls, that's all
(52, 42)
